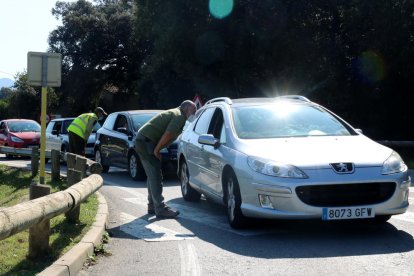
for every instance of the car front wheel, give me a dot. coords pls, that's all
(135, 169)
(189, 194)
(98, 159)
(233, 202)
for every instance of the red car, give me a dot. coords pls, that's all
(19, 133)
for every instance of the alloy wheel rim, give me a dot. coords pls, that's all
(184, 178)
(133, 165)
(231, 202)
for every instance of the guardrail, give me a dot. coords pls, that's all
(36, 213)
(54, 155)
(20, 217)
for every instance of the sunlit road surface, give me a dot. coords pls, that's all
(200, 241)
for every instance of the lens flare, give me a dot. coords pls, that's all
(370, 67)
(220, 8)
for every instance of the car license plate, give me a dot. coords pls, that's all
(348, 213)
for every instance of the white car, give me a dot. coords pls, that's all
(288, 158)
(57, 136)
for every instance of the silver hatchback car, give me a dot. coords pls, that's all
(288, 158)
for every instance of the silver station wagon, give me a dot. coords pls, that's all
(288, 158)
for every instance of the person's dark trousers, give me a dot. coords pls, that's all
(76, 144)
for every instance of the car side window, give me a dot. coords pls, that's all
(216, 123)
(121, 121)
(57, 126)
(203, 122)
(66, 124)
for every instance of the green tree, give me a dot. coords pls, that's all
(99, 51)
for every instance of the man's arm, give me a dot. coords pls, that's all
(165, 140)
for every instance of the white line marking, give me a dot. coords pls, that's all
(408, 216)
(148, 231)
(189, 260)
(203, 217)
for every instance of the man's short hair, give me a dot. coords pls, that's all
(185, 105)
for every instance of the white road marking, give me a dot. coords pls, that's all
(148, 231)
(189, 260)
(408, 216)
(203, 217)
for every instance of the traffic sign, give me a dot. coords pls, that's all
(198, 101)
(44, 69)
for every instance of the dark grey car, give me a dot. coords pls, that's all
(114, 146)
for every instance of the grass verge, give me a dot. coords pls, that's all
(14, 188)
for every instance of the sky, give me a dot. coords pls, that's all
(24, 27)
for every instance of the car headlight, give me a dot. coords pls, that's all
(16, 139)
(273, 168)
(393, 164)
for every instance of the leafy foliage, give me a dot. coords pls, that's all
(346, 54)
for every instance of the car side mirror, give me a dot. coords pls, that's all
(358, 130)
(210, 140)
(55, 132)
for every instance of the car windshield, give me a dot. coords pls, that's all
(24, 126)
(139, 119)
(285, 120)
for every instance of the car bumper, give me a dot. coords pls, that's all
(286, 203)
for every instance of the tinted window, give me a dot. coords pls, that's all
(285, 120)
(121, 122)
(57, 126)
(203, 122)
(66, 124)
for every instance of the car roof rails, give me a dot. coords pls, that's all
(294, 97)
(227, 100)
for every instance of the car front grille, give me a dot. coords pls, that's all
(346, 194)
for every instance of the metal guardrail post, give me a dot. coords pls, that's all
(74, 177)
(35, 161)
(55, 161)
(39, 233)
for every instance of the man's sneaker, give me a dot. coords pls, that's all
(167, 212)
(151, 209)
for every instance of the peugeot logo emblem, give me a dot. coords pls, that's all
(343, 167)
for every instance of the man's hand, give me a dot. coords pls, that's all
(166, 138)
(157, 154)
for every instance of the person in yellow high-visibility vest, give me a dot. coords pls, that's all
(80, 129)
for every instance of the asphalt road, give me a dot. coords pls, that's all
(200, 242)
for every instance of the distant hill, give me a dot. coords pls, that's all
(5, 82)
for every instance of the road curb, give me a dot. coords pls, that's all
(72, 262)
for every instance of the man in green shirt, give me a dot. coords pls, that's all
(155, 135)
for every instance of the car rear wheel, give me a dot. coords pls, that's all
(188, 192)
(233, 202)
(135, 169)
(98, 159)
